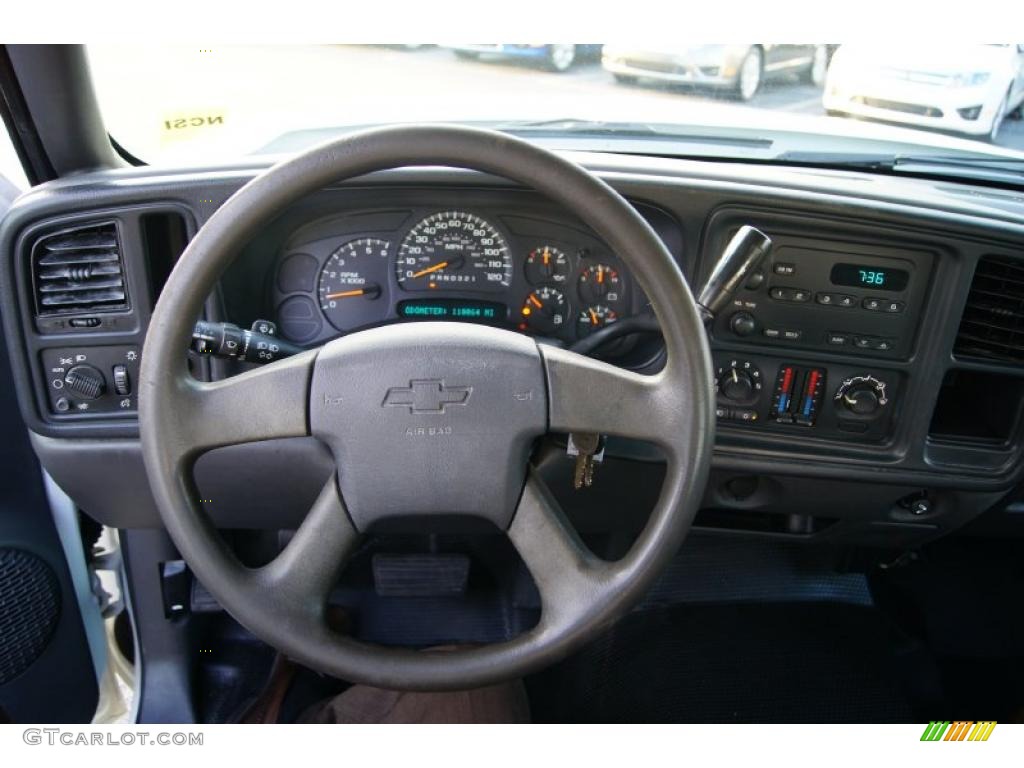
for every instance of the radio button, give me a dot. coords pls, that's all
(836, 300)
(755, 281)
(772, 333)
(838, 339)
(874, 342)
(790, 294)
(893, 307)
(873, 305)
(783, 268)
(792, 335)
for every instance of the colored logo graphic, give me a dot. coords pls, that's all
(961, 730)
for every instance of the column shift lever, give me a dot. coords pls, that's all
(738, 261)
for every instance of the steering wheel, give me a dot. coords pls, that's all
(457, 406)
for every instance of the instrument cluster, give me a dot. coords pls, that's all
(532, 276)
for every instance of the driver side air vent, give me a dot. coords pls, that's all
(79, 270)
(992, 327)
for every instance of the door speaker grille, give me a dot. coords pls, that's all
(29, 609)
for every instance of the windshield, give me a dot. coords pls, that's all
(187, 105)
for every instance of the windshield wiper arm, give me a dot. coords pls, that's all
(580, 127)
(577, 125)
(969, 166)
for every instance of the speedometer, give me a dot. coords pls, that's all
(453, 250)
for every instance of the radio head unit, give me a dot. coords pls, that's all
(832, 296)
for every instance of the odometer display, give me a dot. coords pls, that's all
(453, 309)
(453, 250)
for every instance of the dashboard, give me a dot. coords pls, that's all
(869, 377)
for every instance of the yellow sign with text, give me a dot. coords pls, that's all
(187, 125)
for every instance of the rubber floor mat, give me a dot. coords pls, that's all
(768, 663)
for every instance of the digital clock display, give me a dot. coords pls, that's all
(872, 277)
(453, 309)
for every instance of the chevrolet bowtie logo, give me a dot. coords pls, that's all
(427, 396)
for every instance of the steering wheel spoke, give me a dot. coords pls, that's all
(262, 404)
(587, 395)
(308, 568)
(568, 576)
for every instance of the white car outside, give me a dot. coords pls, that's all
(968, 89)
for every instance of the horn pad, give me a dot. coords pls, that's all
(430, 419)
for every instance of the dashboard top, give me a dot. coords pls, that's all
(920, 197)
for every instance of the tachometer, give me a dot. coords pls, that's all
(453, 250)
(351, 278)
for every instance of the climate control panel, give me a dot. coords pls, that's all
(739, 389)
(832, 401)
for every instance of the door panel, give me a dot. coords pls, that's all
(46, 669)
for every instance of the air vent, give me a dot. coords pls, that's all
(992, 327)
(78, 271)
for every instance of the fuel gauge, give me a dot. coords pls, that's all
(545, 310)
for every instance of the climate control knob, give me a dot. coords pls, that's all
(861, 401)
(85, 382)
(736, 386)
(739, 382)
(862, 396)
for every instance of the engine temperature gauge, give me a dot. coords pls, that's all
(594, 317)
(545, 310)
